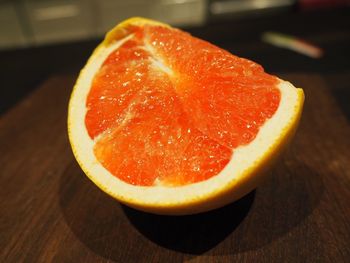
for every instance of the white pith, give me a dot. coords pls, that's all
(243, 157)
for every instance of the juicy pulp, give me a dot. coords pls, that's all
(166, 108)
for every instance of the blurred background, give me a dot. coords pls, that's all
(41, 38)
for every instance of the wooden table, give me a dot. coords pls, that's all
(50, 212)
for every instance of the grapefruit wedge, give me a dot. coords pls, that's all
(170, 124)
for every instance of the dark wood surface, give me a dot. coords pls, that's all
(50, 212)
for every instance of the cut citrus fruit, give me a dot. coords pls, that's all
(167, 123)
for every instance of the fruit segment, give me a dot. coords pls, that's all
(227, 97)
(156, 144)
(169, 109)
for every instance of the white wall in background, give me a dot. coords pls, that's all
(11, 31)
(37, 22)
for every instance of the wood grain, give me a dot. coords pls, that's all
(50, 212)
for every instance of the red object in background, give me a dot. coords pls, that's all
(314, 4)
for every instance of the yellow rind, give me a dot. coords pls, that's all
(121, 30)
(246, 182)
